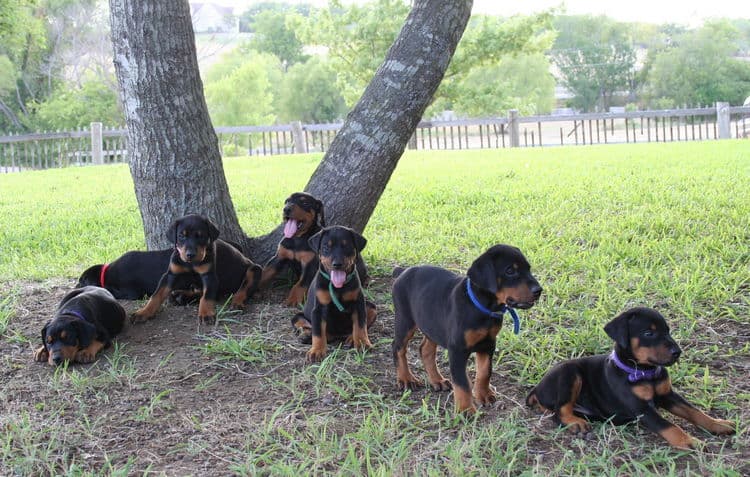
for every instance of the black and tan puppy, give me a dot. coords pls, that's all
(462, 314)
(135, 275)
(223, 270)
(85, 322)
(303, 216)
(626, 385)
(335, 302)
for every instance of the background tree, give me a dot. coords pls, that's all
(595, 58)
(698, 68)
(274, 33)
(309, 94)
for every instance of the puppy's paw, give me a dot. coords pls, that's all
(439, 386)
(41, 354)
(485, 395)
(85, 356)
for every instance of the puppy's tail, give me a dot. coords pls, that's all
(397, 271)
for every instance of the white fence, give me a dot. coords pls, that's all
(99, 145)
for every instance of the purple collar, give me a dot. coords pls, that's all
(635, 375)
(74, 313)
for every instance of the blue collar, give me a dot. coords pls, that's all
(493, 314)
(635, 375)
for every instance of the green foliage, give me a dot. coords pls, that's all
(240, 89)
(357, 38)
(595, 57)
(523, 82)
(274, 34)
(700, 69)
(309, 94)
(70, 107)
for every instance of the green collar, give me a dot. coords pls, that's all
(334, 298)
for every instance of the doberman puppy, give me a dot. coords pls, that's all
(460, 313)
(626, 385)
(335, 303)
(303, 217)
(223, 270)
(85, 322)
(136, 274)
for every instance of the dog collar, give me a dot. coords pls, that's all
(635, 375)
(75, 313)
(493, 314)
(334, 298)
(101, 274)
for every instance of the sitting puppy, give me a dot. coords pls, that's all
(303, 217)
(85, 322)
(625, 385)
(462, 314)
(223, 270)
(335, 302)
(136, 274)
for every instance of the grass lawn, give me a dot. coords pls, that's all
(604, 227)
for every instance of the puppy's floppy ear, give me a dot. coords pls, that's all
(172, 231)
(359, 241)
(315, 240)
(617, 329)
(482, 273)
(86, 332)
(213, 230)
(44, 335)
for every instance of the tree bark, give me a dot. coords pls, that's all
(354, 172)
(173, 149)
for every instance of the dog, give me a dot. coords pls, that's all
(136, 274)
(462, 314)
(223, 270)
(626, 385)
(335, 303)
(303, 216)
(85, 322)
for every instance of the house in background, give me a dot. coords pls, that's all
(213, 18)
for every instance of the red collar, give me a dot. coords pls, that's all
(101, 274)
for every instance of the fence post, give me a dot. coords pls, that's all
(298, 135)
(723, 120)
(513, 128)
(96, 144)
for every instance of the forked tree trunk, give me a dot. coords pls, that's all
(174, 155)
(172, 147)
(354, 172)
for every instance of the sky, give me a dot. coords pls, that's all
(685, 12)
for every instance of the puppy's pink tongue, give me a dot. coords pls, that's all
(290, 228)
(338, 278)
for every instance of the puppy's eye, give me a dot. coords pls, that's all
(648, 334)
(511, 271)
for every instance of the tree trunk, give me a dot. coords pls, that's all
(354, 172)
(172, 147)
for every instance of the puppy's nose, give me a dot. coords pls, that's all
(536, 290)
(57, 360)
(190, 255)
(676, 352)
(337, 265)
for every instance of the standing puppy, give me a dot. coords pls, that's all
(626, 385)
(460, 313)
(222, 268)
(85, 322)
(335, 299)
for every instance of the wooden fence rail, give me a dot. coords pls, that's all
(101, 145)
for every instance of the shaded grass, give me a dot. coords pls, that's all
(605, 228)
